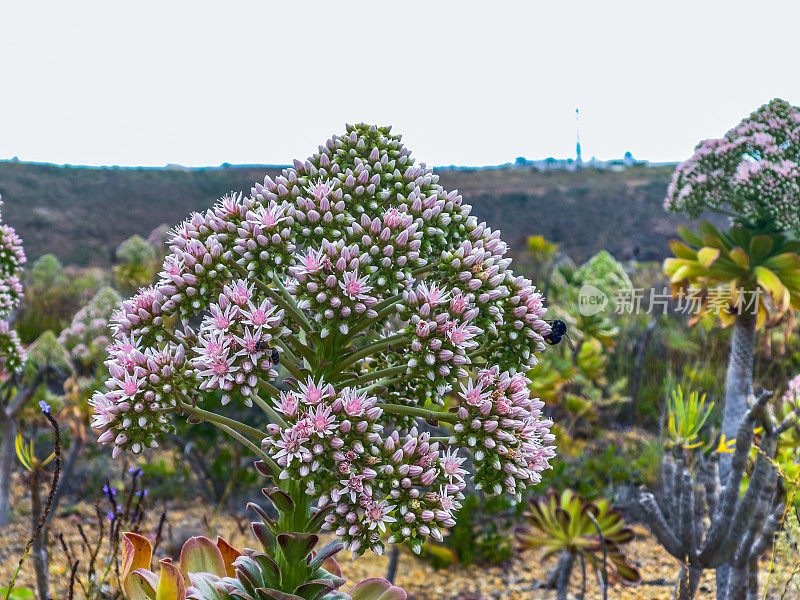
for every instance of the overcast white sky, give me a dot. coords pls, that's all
(195, 83)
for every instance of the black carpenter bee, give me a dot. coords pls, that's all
(558, 331)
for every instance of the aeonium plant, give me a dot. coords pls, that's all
(387, 306)
(219, 571)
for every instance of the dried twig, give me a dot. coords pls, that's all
(48, 504)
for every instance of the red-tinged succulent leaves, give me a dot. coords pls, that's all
(325, 557)
(229, 555)
(620, 567)
(201, 555)
(376, 589)
(141, 584)
(270, 594)
(205, 586)
(170, 583)
(319, 586)
(136, 554)
(332, 567)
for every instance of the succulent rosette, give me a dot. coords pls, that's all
(387, 305)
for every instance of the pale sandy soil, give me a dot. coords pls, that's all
(515, 581)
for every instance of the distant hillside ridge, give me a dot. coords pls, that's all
(81, 214)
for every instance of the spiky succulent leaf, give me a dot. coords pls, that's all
(561, 522)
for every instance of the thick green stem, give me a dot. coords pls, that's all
(429, 415)
(483, 352)
(279, 284)
(175, 339)
(387, 303)
(301, 348)
(264, 405)
(400, 339)
(289, 360)
(384, 309)
(358, 381)
(211, 417)
(429, 268)
(381, 383)
(235, 429)
(274, 468)
(293, 522)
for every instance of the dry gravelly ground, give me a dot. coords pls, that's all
(513, 581)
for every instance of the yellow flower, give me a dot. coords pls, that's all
(725, 446)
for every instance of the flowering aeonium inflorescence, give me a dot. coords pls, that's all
(88, 335)
(12, 257)
(752, 173)
(390, 308)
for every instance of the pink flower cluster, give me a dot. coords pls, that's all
(330, 286)
(264, 239)
(439, 325)
(89, 334)
(12, 257)
(12, 353)
(144, 387)
(503, 427)
(334, 441)
(772, 190)
(321, 211)
(393, 243)
(792, 393)
(510, 310)
(235, 343)
(752, 172)
(201, 256)
(141, 317)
